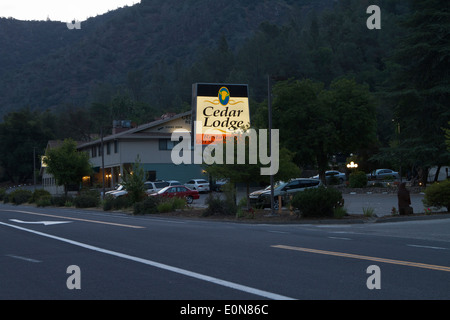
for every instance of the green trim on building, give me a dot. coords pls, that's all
(170, 171)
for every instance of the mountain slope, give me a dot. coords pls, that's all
(52, 65)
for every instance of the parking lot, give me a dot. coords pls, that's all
(355, 204)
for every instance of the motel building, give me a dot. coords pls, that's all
(218, 109)
(151, 143)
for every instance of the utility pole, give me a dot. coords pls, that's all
(269, 103)
(103, 162)
(34, 168)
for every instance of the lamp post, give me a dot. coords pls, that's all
(352, 165)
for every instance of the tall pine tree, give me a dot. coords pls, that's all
(421, 85)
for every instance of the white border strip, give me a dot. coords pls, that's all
(188, 273)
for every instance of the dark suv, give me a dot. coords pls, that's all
(283, 189)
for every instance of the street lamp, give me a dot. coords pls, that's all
(352, 165)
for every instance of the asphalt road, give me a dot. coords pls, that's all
(145, 257)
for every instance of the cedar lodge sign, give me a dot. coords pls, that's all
(219, 110)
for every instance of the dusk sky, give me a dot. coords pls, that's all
(59, 10)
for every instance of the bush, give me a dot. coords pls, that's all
(218, 206)
(438, 195)
(163, 207)
(339, 212)
(112, 203)
(44, 201)
(318, 202)
(2, 194)
(60, 201)
(87, 199)
(171, 204)
(38, 193)
(148, 206)
(357, 179)
(176, 203)
(20, 196)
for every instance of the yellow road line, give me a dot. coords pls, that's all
(79, 219)
(360, 257)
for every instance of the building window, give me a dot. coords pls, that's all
(167, 144)
(116, 146)
(108, 148)
(94, 152)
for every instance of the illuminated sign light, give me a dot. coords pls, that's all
(221, 109)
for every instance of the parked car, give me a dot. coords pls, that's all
(117, 192)
(332, 173)
(218, 184)
(155, 186)
(201, 185)
(179, 192)
(381, 174)
(150, 187)
(174, 183)
(283, 189)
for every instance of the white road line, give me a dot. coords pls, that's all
(188, 273)
(426, 247)
(23, 258)
(339, 238)
(45, 223)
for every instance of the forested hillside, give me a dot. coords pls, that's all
(140, 62)
(46, 65)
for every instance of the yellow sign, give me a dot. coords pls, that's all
(220, 110)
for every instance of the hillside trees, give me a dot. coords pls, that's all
(317, 122)
(136, 70)
(421, 89)
(157, 50)
(22, 134)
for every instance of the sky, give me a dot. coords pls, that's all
(59, 10)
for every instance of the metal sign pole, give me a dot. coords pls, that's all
(269, 102)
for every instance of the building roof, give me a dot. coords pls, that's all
(139, 132)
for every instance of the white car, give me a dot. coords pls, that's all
(333, 173)
(150, 187)
(381, 174)
(201, 185)
(154, 186)
(174, 183)
(118, 192)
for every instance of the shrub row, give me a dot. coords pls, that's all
(20, 196)
(319, 202)
(147, 206)
(438, 195)
(112, 203)
(43, 198)
(90, 199)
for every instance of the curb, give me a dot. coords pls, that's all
(413, 218)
